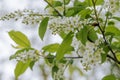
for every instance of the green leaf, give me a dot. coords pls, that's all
(56, 3)
(64, 61)
(19, 38)
(21, 68)
(117, 37)
(74, 10)
(84, 13)
(62, 34)
(116, 18)
(43, 27)
(54, 70)
(31, 64)
(109, 77)
(79, 3)
(92, 36)
(50, 58)
(67, 2)
(98, 2)
(69, 49)
(82, 35)
(108, 14)
(105, 47)
(116, 45)
(111, 23)
(118, 55)
(51, 48)
(112, 29)
(103, 57)
(70, 12)
(65, 46)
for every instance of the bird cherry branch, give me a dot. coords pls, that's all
(114, 58)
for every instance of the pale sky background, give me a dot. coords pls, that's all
(7, 66)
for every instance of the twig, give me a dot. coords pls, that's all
(78, 57)
(113, 59)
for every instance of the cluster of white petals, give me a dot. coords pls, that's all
(26, 16)
(26, 55)
(112, 5)
(90, 52)
(59, 74)
(66, 24)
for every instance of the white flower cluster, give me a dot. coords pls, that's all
(59, 75)
(112, 5)
(27, 16)
(91, 56)
(90, 52)
(26, 55)
(65, 24)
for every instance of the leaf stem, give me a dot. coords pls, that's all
(64, 8)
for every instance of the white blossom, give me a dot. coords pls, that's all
(26, 16)
(90, 52)
(66, 24)
(58, 75)
(112, 5)
(26, 55)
